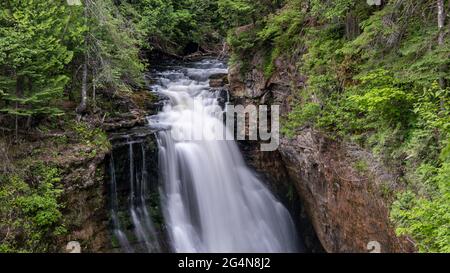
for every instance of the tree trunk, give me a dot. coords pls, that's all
(83, 104)
(441, 21)
(94, 95)
(441, 38)
(352, 29)
(16, 131)
(19, 93)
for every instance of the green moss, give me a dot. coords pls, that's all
(95, 138)
(269, 62)
(361, 166)
(155, 209)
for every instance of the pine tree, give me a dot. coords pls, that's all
(34, 40)
(112, 45)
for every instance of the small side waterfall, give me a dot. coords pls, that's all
(117, 225)
(131, 219)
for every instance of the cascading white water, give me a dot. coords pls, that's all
(212, 202)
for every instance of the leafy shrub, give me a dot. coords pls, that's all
(94, 137)
(426, 220)
(301, 116)
(382, 98)
(30, 213)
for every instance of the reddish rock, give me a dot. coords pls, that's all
(347, 208)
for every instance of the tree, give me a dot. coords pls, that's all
(173, 25)
(110, 54)
(83, 104)
(34, 52)
(441, 39)
(240, 12)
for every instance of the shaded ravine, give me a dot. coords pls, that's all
(209, 199)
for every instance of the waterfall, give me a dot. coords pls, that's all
(142, 235)
(117, 225)
(212, 202)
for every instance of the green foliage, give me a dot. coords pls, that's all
(383, 98)
(281, 34)
(112, 45)
(427, 220)
(94, 137)
(35, 46)
(42, 207)
(242, 12)
(423, 211)
(301, 116)
(331, 9)
(403, 39)
(172, 25)
(361, 166)
(323, 59)
(237, 11)
(277, 35)
(243, 41)
(30, 211)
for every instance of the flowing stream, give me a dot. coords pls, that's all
(211, 201)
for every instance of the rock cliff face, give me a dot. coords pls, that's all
(340, 186)
(85, 202)
(79, 168)
(342, 199)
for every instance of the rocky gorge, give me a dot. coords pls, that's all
(338, 206)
